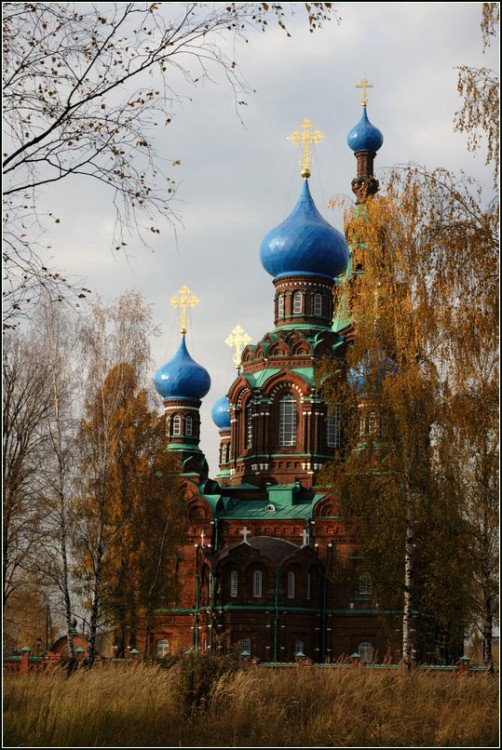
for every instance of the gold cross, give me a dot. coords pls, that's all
(306, 138)
(184, 299)
(238, 339)
(364, 85)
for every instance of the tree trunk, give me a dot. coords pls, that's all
(408, 585)
(487, 633)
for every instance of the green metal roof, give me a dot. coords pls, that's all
(257, 379)
(257, 509)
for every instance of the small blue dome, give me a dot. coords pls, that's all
(304, 244)
(364, 136)
(181, 377)
(359, 376)
(221, 413)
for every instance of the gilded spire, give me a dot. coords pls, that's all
(184, 300)
(238, 340)
(364, 85)
(306, 138)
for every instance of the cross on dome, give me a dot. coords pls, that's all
(306, 138)
(238, 339)
(184, 300)
(364, 85)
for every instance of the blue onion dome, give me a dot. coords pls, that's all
(364, 136)
(181, 377)
(221, 413)
(304, 244)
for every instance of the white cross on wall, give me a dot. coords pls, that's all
(304, 537)
(245, 531)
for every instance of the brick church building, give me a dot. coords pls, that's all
(267, 567)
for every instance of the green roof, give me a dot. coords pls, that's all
(257, 379)
(257, 509)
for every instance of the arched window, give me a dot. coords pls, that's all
(287, 420)
(224, 453)
(280, 306)
(234, 584)
(365, 584)
(245, 646)
(333, 429)
(257, 584)
(162, 648)
(362, 424)
(249, 427)
(188, 426)
(291, 585)
(177, 425)
(372, 423)
(317, 304)
(297, 303)
(299, 648)
(365, 650)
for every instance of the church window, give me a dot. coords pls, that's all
(245, 646)
(317, 304)
(234, 584)
(383, 426)
(297, 303)
(291, 585)
(372, 423)
(333, 429)
(249, 427)
(280, 306)
(299, 648)
(257, 584)
(365, 650)
(287, 420)
(365, 585)
(307, 588)
(362, 425)
(177, 425)
(162, 648)
(188, 426)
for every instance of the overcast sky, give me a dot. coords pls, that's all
(237, 182)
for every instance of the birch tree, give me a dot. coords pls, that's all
(128, 481)
(26, 405)
(425, 343)
(57, 333)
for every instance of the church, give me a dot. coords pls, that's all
(267, 569)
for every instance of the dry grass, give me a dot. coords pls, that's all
(255, 707)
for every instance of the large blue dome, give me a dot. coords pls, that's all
(181, 377)
(221, 413)
(304, 244)
(364, 136)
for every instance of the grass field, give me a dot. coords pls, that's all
(202, 703)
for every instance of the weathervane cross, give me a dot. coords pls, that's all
(306, 138)
(238, 339)
(364, 85)
(184, 300)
